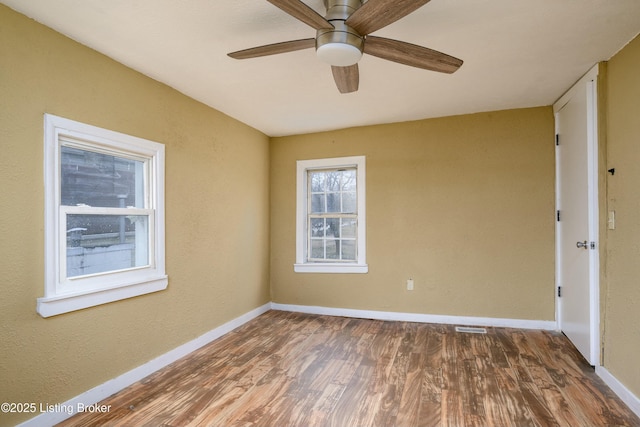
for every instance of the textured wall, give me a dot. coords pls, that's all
(464, 205)
(622, 301)
(217, 187)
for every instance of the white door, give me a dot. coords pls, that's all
(577, 227)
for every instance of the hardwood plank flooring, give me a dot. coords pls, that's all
(290, 369)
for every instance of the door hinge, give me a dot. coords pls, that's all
(559, 291)
(558, 215)
(557, 139)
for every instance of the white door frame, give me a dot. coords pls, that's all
(588, 82)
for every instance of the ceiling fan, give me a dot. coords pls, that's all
(343, 35)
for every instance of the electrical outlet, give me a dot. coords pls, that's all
(410, 284)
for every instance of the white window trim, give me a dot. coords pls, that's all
(304, 266)
(109, 287)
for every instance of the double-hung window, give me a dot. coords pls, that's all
(104, 216)
(331, 217)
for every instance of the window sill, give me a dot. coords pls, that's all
(331, 268)
(65, 303)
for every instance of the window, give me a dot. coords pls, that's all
(331, 226)
(104, 216)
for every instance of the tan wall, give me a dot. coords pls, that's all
(463, 205)
(216, 217)
(622, 306)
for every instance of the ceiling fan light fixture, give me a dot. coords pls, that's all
(339, 54)
(341, 46)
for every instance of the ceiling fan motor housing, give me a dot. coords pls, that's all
(341, 46)
(340, 9)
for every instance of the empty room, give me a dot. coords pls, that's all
(320, 213)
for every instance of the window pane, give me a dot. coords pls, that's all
(349, 180)
(317, 248)
(333, 248)
(103, 243)
(334, 179)
(333, 227)
(349, 202)
(317, 227)
(348, 228)
(348, 250)
(317, 181)
(100, 180)
(317, 203)
(333, 202)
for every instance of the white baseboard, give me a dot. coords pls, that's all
(549, 325)
(632, 401)
(65, 410)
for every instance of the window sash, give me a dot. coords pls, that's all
(340, 191)
(338, 240)
(143, 186)
(146, 249)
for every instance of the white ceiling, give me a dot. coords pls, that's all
(516, 54)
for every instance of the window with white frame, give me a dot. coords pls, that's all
(331, 220)
(104, 216)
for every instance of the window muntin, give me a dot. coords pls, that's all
(104, 216)
(331, 220)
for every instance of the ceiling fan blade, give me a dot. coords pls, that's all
(302, 12)
(273, 49)
(347, 78)
(376, 14)
(411, 54)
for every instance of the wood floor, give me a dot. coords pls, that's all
(291, 369)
